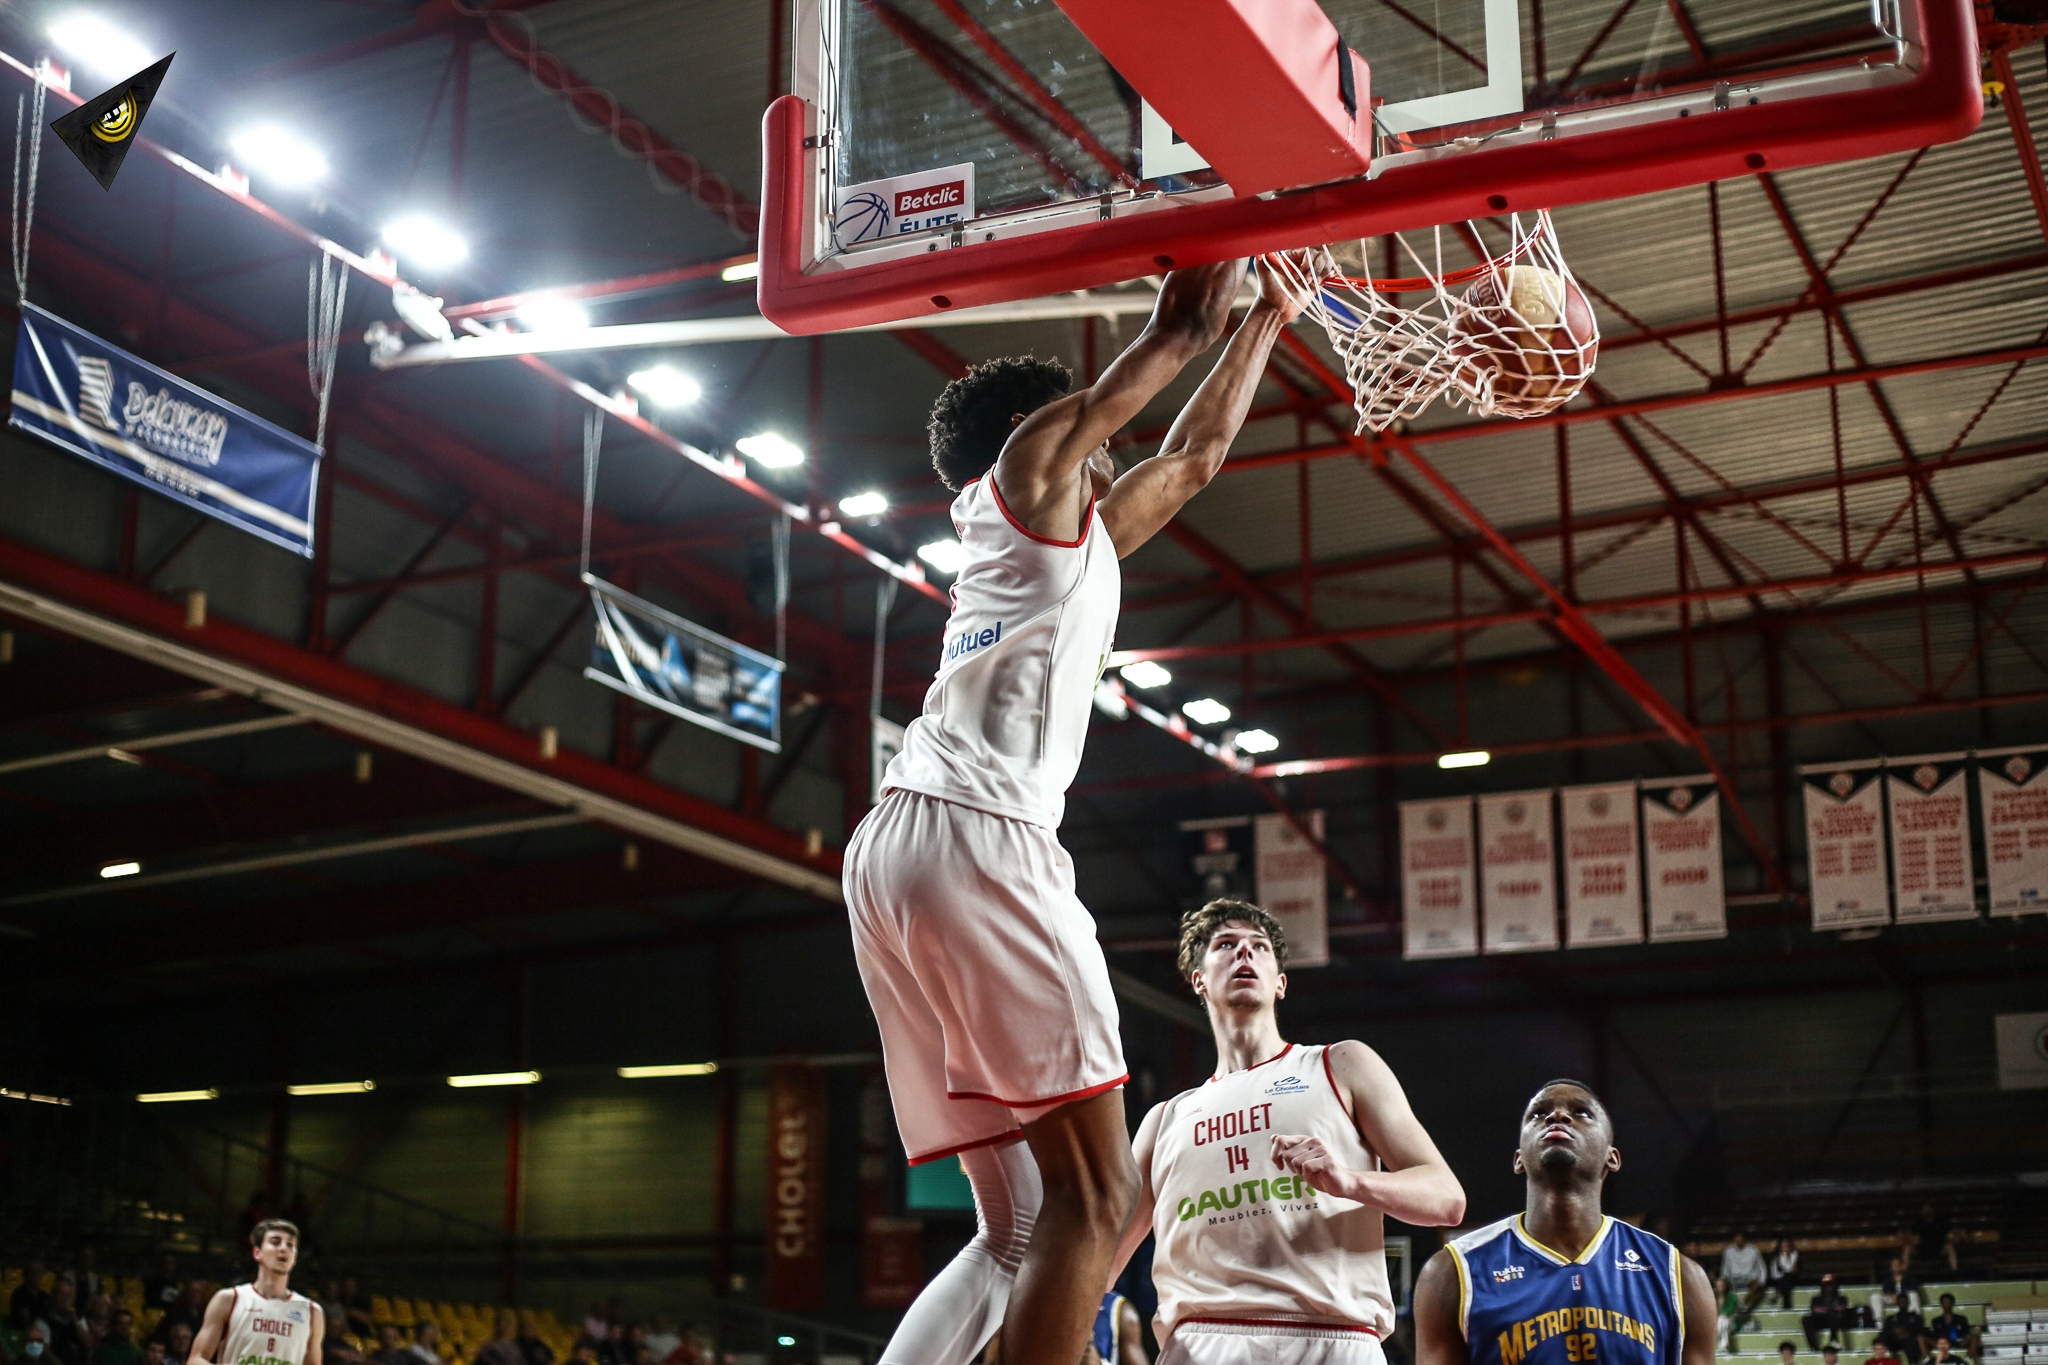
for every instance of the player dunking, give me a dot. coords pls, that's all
(1267, 1185)
(1560, 1283)
(986, 979)
(264, 1323)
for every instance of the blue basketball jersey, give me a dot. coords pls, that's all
(1617, 1303)
(1109, 1327)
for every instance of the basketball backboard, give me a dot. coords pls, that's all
(939, 154)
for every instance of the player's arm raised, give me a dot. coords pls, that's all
(1417, 1185)
(1039, 461)
(1151, 492)
(1699, 1313)
(213, 1328)
(1439, 1334)
(1140, 1226)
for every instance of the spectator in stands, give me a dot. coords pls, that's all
(86, 1275)
(596, 1325)
(1897, 1292)
(35, 1342)
(1943, 1352)
(177, 1343)
(69, 1344)
(1952, 1327)
(585, 1353)
(1880, 1354)
(391, 1348)
(188, 1312)
(1784, 1270)
(662, 1340)
(1742, 1265)
(96, 1321)
(1731, 1316)
(30, 1300)
(162, 1289)
(503, 1347)
(118, 1346)
(1829, 1313)
(426, 1337)
(615, 1348)
(1829, 1355)
(531, 1347)
(153, 1353)
(1933, 1243)
(1788, 1354)
(1901, 1335)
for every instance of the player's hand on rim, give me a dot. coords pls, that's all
(1278, 292)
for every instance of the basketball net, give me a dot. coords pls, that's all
(1511, 336)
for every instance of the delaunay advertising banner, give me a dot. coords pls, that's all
(673, 665)
(2012, 794)
(145, 424)
(1517, 864)
(1603, 885)
(1933, 873)
(1439, 879)
(1682, 858)
(1845, 844)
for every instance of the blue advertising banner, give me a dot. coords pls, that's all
(97, 401)
(676, 666)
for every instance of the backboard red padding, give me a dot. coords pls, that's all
(1941, 103)
(1250, 84)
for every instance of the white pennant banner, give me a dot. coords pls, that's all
(1603, 887)
(1439, 900)
(1518, 868)
(2012, 794)
(1934, 875)
(1682, 859)
(1845, 844)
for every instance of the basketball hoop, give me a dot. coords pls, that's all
(1518, 340)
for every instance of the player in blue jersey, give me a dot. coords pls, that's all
(1561, 1283)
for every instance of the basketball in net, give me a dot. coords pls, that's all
(1512, 335)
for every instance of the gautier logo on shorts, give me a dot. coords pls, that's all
(972, 640)
(950, 195)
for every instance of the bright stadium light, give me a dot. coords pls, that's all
(332, 1088)
(113, 870)
(1206, 711)
(1145, 673)
(1256, 742)
(744, 270)
(667, 386)
(176, 1096)
(865, 504)
(98, 45)
(1474, 758)
(648, 1073)
(550, 313)
(485, 1078)
(771, 450)
(944, 555)
(423, 242)
(278, 154)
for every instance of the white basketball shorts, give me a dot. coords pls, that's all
(983, 970)
(1259, 1343)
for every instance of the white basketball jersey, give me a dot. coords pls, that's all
(266, 1331)
(1006, 718)
(1242, 1240)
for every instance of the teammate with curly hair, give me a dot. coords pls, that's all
(1267, 1185)
(999, 1032)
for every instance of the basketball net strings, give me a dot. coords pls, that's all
(28, 127)
(885, 598)
(593, 442)
(326, 294)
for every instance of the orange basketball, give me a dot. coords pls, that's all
(1536, 347)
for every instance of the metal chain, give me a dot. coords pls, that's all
(593, 442)
(326, 296)
(27, 127)
(885, 598)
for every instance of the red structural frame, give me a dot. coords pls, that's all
(1942, 102)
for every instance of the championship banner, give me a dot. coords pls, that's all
(1845, 844)
(1219, 853)
(1682, 859)
(1934, 875)
(1294, 885)
(1439, 883)
(797, 1132)
(147, 425)
(1518, 871)
(663, 661)
(2012, 796)
(1603, 884)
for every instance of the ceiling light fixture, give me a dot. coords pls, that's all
(1256, 742)
(485, 1078)
(771, 450)
(649, 1073)
(944, 555)
(1145, 673)
(113, 870)
(666, 385)
(278, 154)
(176, 1096)
(865, 504)
(741, 270)
(1206, 711)
(1474, 758)
(95, 43)
(423, 242)
(32, 1097)
(552, 313)
(333, 1088)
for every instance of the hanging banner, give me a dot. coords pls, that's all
(1845, 844)
(891, 1247)
(148, 425)
(1682, 858)
(663, 661)
(797, 1133)
(885, 741)
(1934, 875)
(1518, 872)
(1294, 885)
(1439, 882)
(1603, 885)
(1219, 853)
(2012, 798)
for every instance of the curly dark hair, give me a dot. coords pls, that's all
(1198, 929)
(971, 420)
